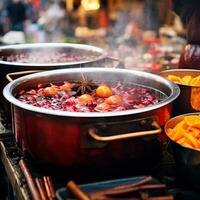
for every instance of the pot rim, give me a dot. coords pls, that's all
(99, 50)
(184, 70)
(7, 92)
(181, 70)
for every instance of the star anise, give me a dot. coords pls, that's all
(84, 86)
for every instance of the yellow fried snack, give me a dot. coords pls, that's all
(185, 80)
(187, 132)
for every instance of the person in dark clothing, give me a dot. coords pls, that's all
(16, 14)
(152, 20)
(189, 11)
(31, 13)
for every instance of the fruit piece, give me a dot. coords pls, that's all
(50, 91)
(114, 100)
(186, 80)
(103, 107)
(85, 99)
(67, 86)
(174, 78)
(187, 132)
(177, 132)
(103, 91)
(185, 144)
(181, 141)
(195, 81)
(193, 121)
(192, 141)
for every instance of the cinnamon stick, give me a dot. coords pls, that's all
(48, 190)
(124, 188)
(29, 179)
(169, 197)
(41, 188)
(51, 188)
(144, 181)
(115, 198)
(76, 191)
(111, 192)
(152, 187)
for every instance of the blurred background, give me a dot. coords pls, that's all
(145, 34)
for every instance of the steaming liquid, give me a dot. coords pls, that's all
(159, 94)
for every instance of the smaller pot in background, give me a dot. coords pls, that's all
(189, 98)
(15, 59)
(187, 159)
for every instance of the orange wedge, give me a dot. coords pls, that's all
(193, 121)
(186, 80)
(195, 81)
(174, 78)
(177, 132)
(192, 141)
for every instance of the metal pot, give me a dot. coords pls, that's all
(187, 101)
(94, 56)
(187, 159)
(67, 138)
(90, 54)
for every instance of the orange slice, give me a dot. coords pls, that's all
(192, 141)
(174, 78)
(193, 121)
(195, 81)
(186, 80)
(177, 132)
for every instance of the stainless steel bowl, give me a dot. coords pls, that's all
(94, 57)
(189, 98)
(91, 53)
(187, 159)
(166, 90)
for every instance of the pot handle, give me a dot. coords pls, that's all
(120, 62)
(97, 137)
(113, 58)
(8, 76)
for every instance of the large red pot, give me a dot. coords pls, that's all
(68, 138)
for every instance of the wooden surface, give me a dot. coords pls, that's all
(13, 175)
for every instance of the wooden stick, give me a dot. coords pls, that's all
(41, 188)
(51, 188)
(29, 179)
(76, 191)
